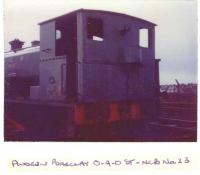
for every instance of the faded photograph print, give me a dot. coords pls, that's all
(100, 71)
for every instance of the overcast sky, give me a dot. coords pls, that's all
(176, 33)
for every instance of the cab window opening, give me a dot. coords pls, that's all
(95, 29)
(144, 37)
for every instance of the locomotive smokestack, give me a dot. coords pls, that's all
(35, 43)
(16, 44)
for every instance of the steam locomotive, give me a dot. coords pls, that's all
(89, 67)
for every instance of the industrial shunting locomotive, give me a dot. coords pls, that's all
(99, 66)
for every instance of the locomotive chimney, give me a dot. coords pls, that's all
(16, 44)
(35, 43)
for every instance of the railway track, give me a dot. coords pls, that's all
(175, 124)
(178, 121)
(178, 115)
(179, 110)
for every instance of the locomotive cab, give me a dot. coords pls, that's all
(93, 55)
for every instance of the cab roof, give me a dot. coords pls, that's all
(98, 11)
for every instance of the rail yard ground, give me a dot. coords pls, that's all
(177, 122)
